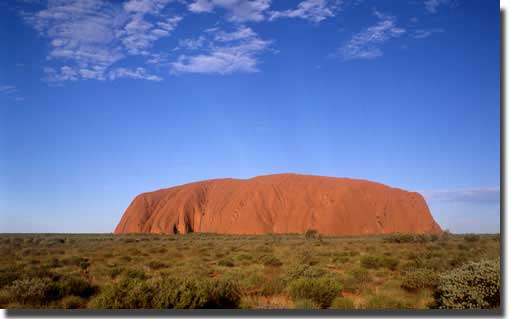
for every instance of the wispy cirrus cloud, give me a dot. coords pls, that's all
(425, 33)
(432, 6)
(192, 44)
(11, 92)
(237, 10)
(312, 10)
(136, 73)
(108, 40)
(226, 53)
(483, 194)
(367, 43)
(8, 89)
(87, 37)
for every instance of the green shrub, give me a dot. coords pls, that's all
(84, 264)
(298, 271)
(223, 294)
(72, 302)
(399, 238)
(155, 265)
(74, 261)
(410, 238)
(33, 292)
(226, 262)
(307, 257)
(244, 257)
(184, 293)
(191, 293)
(8, 275)
(54, 263)
(115, 271)
(423, 278)
(321, 290)
(272, 261)
(340, 259)
(471, 237)
(311, 234)
(390, 262)
(357, 279)
(382, 302)
(375, 262)
(272, 287)
(74, 285)
(135, 274)
(305, 304)
(459, 259)
(475, 285)
(342, 304)
(371, 262)
(167, 293)
(129, 293)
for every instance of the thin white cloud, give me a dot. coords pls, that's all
(11, 92)
(139, 34)
(424, 33)
(87, 37)
(484, 194)
(138, 73)
(237, 10)
(367, 43)
(432, 6)
(8, 89)
(241, 33)
(227, 53)
(312, 10)
(192, 44)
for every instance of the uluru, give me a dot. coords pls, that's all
(280, 203)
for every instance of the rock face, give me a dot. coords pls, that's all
(283, 203)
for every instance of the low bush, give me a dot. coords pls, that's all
(305, 304)
(375, 262)
(411, 238)
(341, 303)
(473, 286)
(167, 293)
(54, 263)
(33, 292)
(399, 238)
(243, 257)
(307, 258)
(298, 271)
(271, 261)
(382, 302)
(311, 234)
(223, 294)
(72, 302)
(115, 271)
(76, 286)
(357, 279)
(321, 290)
(226, 262)
(471, 237)
(84, 264)
(459, 259)
(129, 293)
(272, 287)
(155, 265)
(135, 274)
(423, 278)
(8, 275)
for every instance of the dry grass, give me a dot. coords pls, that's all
(370, 269)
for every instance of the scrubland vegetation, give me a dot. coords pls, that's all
(307, 271)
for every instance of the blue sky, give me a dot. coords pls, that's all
(102, 100)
